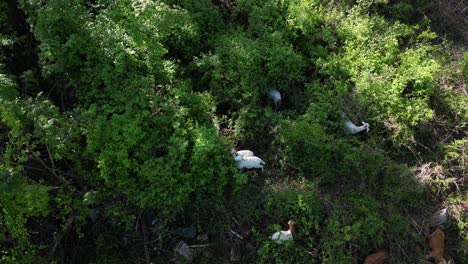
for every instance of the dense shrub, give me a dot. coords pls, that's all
(355, 225)
(119, 134)
(303, 206)
(317, 149)
(242, 69)
(148, 137)
(395, 86)
(19, 201)
(121, 73)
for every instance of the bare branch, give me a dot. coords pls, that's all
(144, 231)
(59, 237)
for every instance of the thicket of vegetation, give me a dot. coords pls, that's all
(108, 145)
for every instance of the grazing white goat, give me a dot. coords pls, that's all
(281, 236)
(249, 162)
(276, 97)
(244, 153)
(351, 128)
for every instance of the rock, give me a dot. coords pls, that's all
(184, 251)
(441, 219)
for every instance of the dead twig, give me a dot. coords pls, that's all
(419, 228)
(201, 245)
(51, 160)
(401, 249)
(416, 156)
(144, 231)
(235, 221)
(59, 237)
(236, 234)
(50, 170)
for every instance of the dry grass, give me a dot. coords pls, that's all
(454, 77)
(445, 189)
(427, 172)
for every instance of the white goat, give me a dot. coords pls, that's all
(249, 162)
(276, 97)
(244, 153)
(281, 236)
(351, 128)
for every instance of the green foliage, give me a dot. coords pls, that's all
(310, 30)
(177, 159)
(285, 253)
(448, 102)
(316, 145)
(261, 16)
(334, 248)
(6, 36)
(42, 121)
(237, 64)
(456, 158)
(208, 22)
(300, 204)
(242, 68)
(20, 201)
(10, 113)
(28, 256)
(148, 135)
(394, 86)
(121, 129)
(346, 230)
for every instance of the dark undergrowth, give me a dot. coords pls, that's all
(117, 118)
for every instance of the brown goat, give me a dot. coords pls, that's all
(376, 258)
(437, 246)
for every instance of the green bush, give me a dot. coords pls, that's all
(118, 121)
(242, 69)
(316, 145)
(394, 85)
(138, 135)
(114, 124)
(19, 201)
(285, 253)
(301, 205)
(358, 228)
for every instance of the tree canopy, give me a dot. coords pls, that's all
(117, 119)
